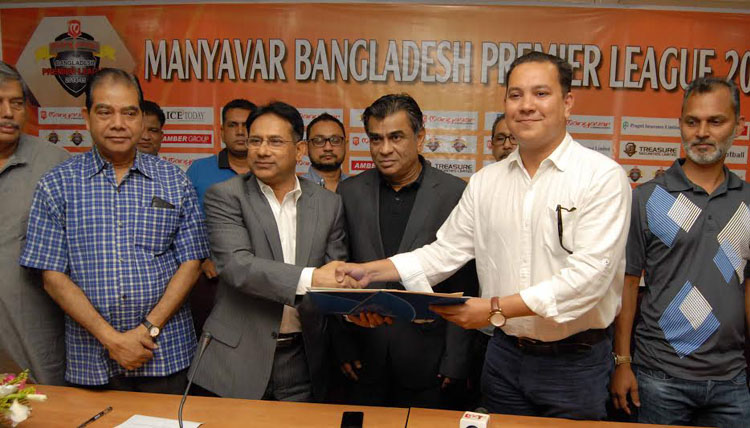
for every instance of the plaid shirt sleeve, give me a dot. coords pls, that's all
(191, 241)
(46, 245)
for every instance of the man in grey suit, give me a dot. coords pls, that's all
(397, 207)
(265, 228)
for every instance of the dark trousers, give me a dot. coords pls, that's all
(570, 385)
(172, 384)
(290, 376)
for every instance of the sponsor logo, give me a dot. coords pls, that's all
(659, 172)
(602, 146)
(308, 114)
(466, 120)
(737, 154)
(66, 137)
(53, 137)
(359, 142)
(591, 124)
(457, 167)
(189, 115)
(76, 138)
(745, 134)
(451, 144)
(60, 116)
(73, 56)
(359, 164)
(187, 138)
(183, 160)
(433, 144)
(634, 174)
(302, 165)
(650, 150)
(459, 144)
(654, 126)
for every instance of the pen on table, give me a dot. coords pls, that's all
(96, 416)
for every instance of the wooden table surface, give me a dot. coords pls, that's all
(69, 407)
(431, 418)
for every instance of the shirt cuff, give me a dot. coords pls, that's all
(305, 281)
(540, 299)
(410, 270)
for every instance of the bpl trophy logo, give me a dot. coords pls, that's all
(74, 56)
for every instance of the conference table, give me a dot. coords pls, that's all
(69, 407)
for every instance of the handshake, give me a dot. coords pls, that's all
(339, 274)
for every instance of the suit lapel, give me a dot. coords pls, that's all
(426, 197)
(306, 220)
(264, 216)
(373, 184)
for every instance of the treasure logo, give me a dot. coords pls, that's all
(73, 57)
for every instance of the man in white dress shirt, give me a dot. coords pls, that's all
(549, 245)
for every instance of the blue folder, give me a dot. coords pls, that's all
(405, 305)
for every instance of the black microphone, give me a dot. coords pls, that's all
(205, 340)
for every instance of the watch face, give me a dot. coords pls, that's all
(497, 319)
(154, 331)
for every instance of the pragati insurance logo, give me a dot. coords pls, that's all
(63, 53)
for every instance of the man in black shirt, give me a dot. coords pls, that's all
(397, 207)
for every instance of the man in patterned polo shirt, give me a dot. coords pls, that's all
(690, 234)
(119, 237)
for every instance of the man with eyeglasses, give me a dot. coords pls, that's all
(269, 232)
(503, 142)
(555, 274)
(326, 148)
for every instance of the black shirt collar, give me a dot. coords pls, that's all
(224, 159)
(413, 185)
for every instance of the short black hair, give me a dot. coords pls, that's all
(150, 107)
(284, 111)
(325, 117)
(499, 118)
(704, 85)
(240, 103)
(564, 70)
(394, 103)
(8, 72)
(114, 74)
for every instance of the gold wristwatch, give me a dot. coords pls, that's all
(496, 317)
(622, 359)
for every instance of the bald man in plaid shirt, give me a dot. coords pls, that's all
(119, 236)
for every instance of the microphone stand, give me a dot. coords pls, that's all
(205, 340)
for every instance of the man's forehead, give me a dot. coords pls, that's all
(534, 74)
(329, 124)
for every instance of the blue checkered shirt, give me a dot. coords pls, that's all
(121, 250)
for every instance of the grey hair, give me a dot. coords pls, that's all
(9, 73)
(703, 85)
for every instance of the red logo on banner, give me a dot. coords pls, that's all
(74, 28)
(186, 138)
(43, 113)
(745, 131)
(355, 141)
(362, 165)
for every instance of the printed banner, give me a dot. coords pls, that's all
(194, 58)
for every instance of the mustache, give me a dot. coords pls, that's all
(9, 123)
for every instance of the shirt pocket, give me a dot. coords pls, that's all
(559, 227)
(155, 229)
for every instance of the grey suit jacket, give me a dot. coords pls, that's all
(418, 352)
(255, 284)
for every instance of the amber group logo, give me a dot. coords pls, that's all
(63, 53)
(73, 57)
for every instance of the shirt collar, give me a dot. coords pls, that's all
(676, 181)
(560, 157)
(224, 159)
(268, 191)
(94, 163)
(313, 176)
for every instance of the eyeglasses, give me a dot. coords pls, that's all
(274, 142)
(335, 140)
(499, 139)
(559, 209)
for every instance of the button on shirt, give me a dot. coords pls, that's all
(694, 249)
(508, 222)
(121, 244)
(285, 214)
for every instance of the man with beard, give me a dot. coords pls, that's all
(690, 234)
(503, 142)
(326, 148)
(32, 326)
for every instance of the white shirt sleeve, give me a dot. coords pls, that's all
(425, 267)
(600, 238)
(305, 281)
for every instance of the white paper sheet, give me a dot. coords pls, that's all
(140, 421)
